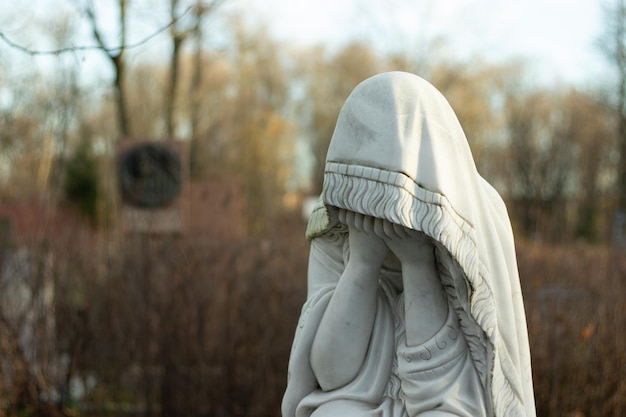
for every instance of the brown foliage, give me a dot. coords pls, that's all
(576, 305)
(197, 327)
(175, 326)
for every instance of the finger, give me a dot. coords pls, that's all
(399, 230)
(358, 221)
(378, 227)
(350, 218)
(417, 235)
(368, 224)
(342, 216)
(388, 229)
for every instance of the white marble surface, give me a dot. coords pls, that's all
(414, 304)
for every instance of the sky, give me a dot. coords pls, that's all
(557, 37)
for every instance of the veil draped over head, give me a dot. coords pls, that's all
(399, 153)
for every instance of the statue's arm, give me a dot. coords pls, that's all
(425, 302)
(325, 264)
(343, 336)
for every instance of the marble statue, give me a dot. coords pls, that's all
(414, 305)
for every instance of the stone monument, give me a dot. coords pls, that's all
(414, 306)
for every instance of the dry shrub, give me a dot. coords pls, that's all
(188, 327)
(575, 303)
(198, 327)
(171, 326)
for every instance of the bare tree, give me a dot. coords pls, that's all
(327, 80)
(116, 57)
(541, 162)
(179, 32)
(587, 124)
(116, 53)
(476, 92)
(27, 329)
(613, 45)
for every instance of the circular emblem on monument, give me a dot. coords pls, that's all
(150, 175)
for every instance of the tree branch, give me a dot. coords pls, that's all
(99, 47)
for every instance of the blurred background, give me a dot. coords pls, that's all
(158, 158)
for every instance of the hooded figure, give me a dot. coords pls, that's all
(399, 168)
